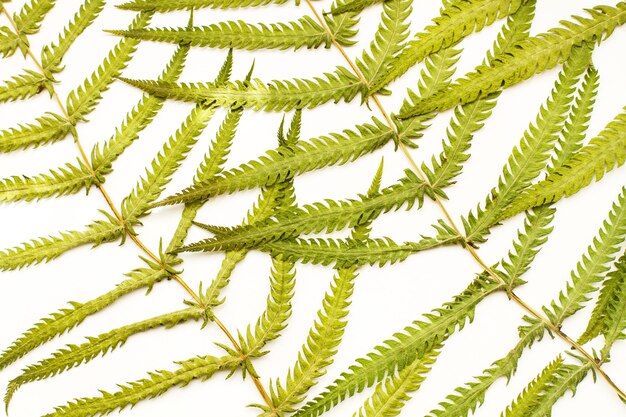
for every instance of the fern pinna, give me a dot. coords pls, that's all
(558, 154)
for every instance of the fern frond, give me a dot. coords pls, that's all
(575, 128)
(466, 121)
(165, 164)
(275, 166)
(67, 318)
(157, 383)
(344, 253)
(52, 55)
(529, 241)
(591, 269)
(353, 6)
(388, 40)
(607, 314)
(45, 249)
(344, 26)
(171, 5)
(82, 100)
(75, 355)
(470, 118)
(46, 129)
(397, 353)
(57, 182)
(532, 56)
(320, 346)
(9, 42)
(28, 20)
(456, 21)
(103, 156)
(467, 398)
(565, 378)
(515, 30)
(329, 215)
(601, 155)
(258, 95)
(613, 320)
(301, 33)
(278, 197)
(531, 395)
(22, 86)
(167, 161)
(528, 160)
(271, 199)
(277, 311)
(391, 394)
(436, 74)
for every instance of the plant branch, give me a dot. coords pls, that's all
(471, 250)
(134, 237)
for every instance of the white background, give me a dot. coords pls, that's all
(384, 300)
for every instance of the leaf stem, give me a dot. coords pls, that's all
(134, 237)
(471, 250)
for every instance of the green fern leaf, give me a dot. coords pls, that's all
(525, 248)
(532, 56)
(344, 26)
(328, 216)
(467, 398)
(438, 70)
(277, 311)
(62, 181)
(526, 161)
(46, 129)
(304, 32)
(45, 249)
(321, 345)
(72, 178)
(272, 198)
(606, 317)
(282, 275)
(443, 322)
(171, 5)
(22, 86)
(456, 21)
(103, 156)
(470, 118)
(67, 318)
(258, 95)
(349, 252)
(275, 166)
(391, 395)
(467, 120)
(565, 378)
(157, 383)
(397, 353)
(528, 399)
(52, 55)
(515, 30)
(603, 153)
(574, 130)
(614, 318)
(9, 42)
(28, 20)
(75, 355)
(353, 6)
(165, 164)
(388, 40)
(593, 265)
(83, 99)
(174, 150)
